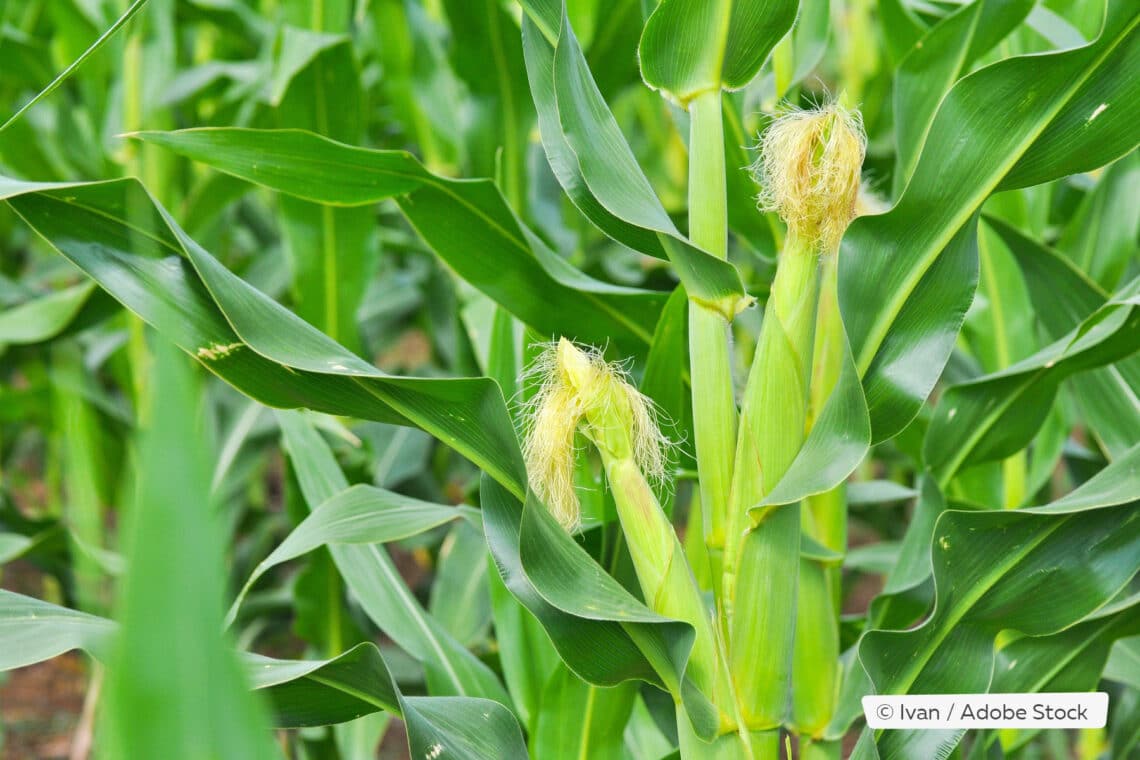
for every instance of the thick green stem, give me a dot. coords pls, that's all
(714, 410)
(765, 744)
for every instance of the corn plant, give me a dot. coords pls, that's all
(561, 379)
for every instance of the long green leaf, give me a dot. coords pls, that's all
(600, 718)
(595, 165)
(1063, 298)
(302, 692)
(64, 75)
(482, 242)
(944, 55)
(604, 644)
(33, 631)
(571, 581)
(278, 359)
(373, 579)
(997, 415)
(329, 247)
(908, 276)
(359, 514)
(170, 659)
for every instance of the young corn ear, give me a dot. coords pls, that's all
(580, 392)
(825, 520)
(810, 167)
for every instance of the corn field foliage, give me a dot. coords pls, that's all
(484, 379)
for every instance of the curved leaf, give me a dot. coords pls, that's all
(1070, 557)
(693, 46)
(482, 242)
(323, 692)
(1097, 126)
(373, 579)
(594, 164)
(571, 581)
(603, 634)
(836, 444)
(907, 276)
(359, 514)
(944, 54)
(997, 415)
(45, 317)
(1063, 297)
(302, 692)
(454, 727)
(117, 234)
(33, 631)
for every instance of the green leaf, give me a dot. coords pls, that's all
(487, 55)
(302, 692)
(1063, 297)
(13, 545)
(1097, 125)
(279, 360)
(1071, 557)
(33, 631)
(595, 165)
(666, 366)
(943, 55)
(359, 514)
(482, 241)
(460, 599)
(64, 75)
(693, 46)
(170, 602)
(836, 444)
(525, 650)
(602, 644)
(1101, 236)
(450, 727)
(376, 584)
(571, 581)
(600, 716)
(1069, 661)
(998, 414)
(1123, 664)
(907, 276)
(358, 682)
(45, 317)
(901, 29)
(329, 247)
(810, 36)
(323, 692)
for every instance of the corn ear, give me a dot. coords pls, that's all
(581, 392)
(810, 170)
